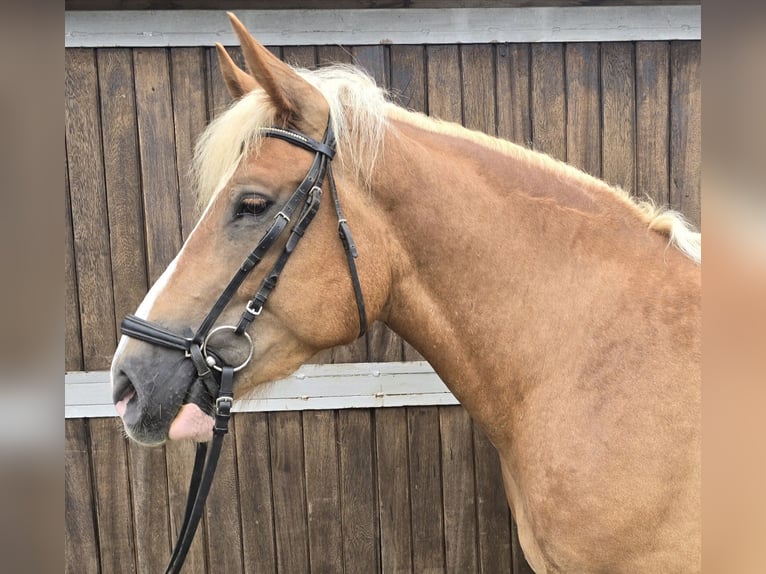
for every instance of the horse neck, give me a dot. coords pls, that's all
(500, 261)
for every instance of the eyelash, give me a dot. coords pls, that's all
(252, 206)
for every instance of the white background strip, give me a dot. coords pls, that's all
(384, 26)
(342, 386)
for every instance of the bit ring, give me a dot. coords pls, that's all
(210, 358)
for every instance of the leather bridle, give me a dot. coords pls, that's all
(215, 379)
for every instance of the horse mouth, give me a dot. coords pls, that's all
(128, 393)
(124, 395)
(148, 407)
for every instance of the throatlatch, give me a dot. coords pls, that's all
(214, 385)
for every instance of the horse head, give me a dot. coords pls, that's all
(251, 162)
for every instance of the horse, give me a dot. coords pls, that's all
(564, 315)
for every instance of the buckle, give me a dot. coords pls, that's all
(223, 405)
(250, 309)
(282, 215)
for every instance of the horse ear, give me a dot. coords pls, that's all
(237, 81)
(296, 100)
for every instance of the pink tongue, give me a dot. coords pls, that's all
(191, 423)
(123, 404)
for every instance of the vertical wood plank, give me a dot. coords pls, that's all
(443, 84)
(323, 357)
(408, 86)
(276, 50)
(222, 513)
(190, 92)
(361, 540)
(322, 491)
(458, 490)
(221, 523)
(287, 471)
(493, 516)
(652, 121)
(239, 57)
(300, 56)
(393, 490)
(513, 108)
(374, 60)
(408, 70)
(618, 114)
(305, 57)
(548, 101)
(357, 350)
(382, 343)
(218, 96)
(72, 334)
(685, 129)
(81, 553)
(189, 119)
(90, 223)
(583, 107)
(113, 504)
(148, 481)
(255, 490)
(478, 87)
(426, 489)
(328, 55)
(443, 70)
(158, 159)
(123, 179)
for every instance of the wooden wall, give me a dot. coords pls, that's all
(412, 489)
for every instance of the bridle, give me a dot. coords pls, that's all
(215, 379)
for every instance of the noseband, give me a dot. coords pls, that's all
(215, 379)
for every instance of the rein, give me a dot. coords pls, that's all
(215, 380)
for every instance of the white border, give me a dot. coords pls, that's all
(158, 28)
(312, 387)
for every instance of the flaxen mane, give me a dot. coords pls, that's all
(360, 110)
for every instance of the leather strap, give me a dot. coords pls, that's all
(326, 148)
(254, 307)
(187, 528)
(139, 328)
(202, 478)
(351, 253)
(204, 389)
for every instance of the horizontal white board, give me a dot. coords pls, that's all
(384, 26)
(312, 387)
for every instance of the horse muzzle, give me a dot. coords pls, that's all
(149, 394)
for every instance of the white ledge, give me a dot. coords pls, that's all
(312, 387)
(163, 28)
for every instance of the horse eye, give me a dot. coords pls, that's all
(253, 205)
